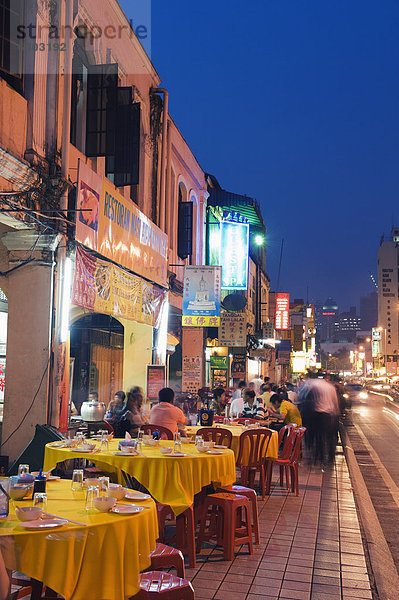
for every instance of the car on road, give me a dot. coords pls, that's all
(354, 392)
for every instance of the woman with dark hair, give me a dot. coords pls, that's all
(218, 404)
(253, 406)
(131, 419)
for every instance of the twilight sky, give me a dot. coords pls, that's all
(296, 104)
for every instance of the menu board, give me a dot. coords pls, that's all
(156, 380)
(219, 371)
(232, 330)
(192, 374)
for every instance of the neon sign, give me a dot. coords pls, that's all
(234, 253)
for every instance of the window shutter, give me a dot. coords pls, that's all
(102, 98)
(185, 231)
(123, 163)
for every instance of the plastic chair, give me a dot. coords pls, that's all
(251, 495)
(285, 454)
(165, 433)
(251, 456)
(243, 420)
(156, 585)
(185, 530)
(285, 429)
(94, 428)
(164, 557)
(221, 436)
(222, 510)
(289, 459)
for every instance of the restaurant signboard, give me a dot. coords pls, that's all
(113, 226)
(156, 380)
(282, 315)
(192, 374)
(219, 371)
(232, 330)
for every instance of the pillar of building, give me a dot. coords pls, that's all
(28, 358)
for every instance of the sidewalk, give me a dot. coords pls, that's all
(311, 547)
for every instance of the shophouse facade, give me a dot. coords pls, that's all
(86, 134)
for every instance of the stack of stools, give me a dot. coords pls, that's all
(251, 495)
(221, 513)
(156, 585)
(165, 557)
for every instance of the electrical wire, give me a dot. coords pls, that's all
(30, 407)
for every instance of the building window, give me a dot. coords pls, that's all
(185, 225)
(11, 48)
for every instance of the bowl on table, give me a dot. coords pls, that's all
(116, 491)
(202, 449)
(150, 442)
(166, 449)
(104, 503)
(19, 491)
(28, 513)
(88, 446)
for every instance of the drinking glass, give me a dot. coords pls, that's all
(92, 492)
(5, 483)
(103, 484)
(246, 423)
(226, 421)
(104, 441)
(40, 500)
(23, 470)
(177, 442)
(77, 480)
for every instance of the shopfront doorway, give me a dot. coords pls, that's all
(97, 355)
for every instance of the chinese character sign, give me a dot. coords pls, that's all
(232, 330)
(192, 374)
(234, 253)
(282, 315)
(201, 296)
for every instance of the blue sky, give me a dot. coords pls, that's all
(296, 104)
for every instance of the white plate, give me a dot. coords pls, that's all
(53, 478)
(176, 454)
(137, 496)
(126, 509)
(125, 453)
(221, 446)
(57, 444)
(81, 450)
(211, 451)
(43, 523)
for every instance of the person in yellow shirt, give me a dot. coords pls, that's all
(284, 410)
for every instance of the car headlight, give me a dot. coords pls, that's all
(363, 395)
(346, 396)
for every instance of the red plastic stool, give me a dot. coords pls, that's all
(185, 530)
(251, 495)
(225, 507)
(164, 557)
(156, 585)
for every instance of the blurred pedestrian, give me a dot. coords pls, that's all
(320, 414)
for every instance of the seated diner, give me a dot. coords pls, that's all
(166, 414)
(253, 407)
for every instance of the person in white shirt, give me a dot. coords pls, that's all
(237, 402)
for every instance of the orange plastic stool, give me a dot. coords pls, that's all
(251, 495)
(225, 506)
(164, 557)
(185, 530)
(156, 585)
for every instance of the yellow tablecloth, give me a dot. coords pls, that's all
(101, 561)
(237, 430)
(170, 480)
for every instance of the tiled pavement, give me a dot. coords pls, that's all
(311, 547)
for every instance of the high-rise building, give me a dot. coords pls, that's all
(328, 315)
(347, 324)
(369, 311)
(388, 320)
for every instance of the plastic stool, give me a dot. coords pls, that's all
(156, 585)
(251, 495)
(225, 529)
(164, 557)
(185, 530)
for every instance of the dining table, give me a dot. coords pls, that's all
(94, 554)
(237, 430)
(170, 479)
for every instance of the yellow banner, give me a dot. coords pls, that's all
(189, 321)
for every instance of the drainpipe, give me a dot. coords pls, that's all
(60, 365)
(165, 112)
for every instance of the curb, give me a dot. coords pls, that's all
(382, 564)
